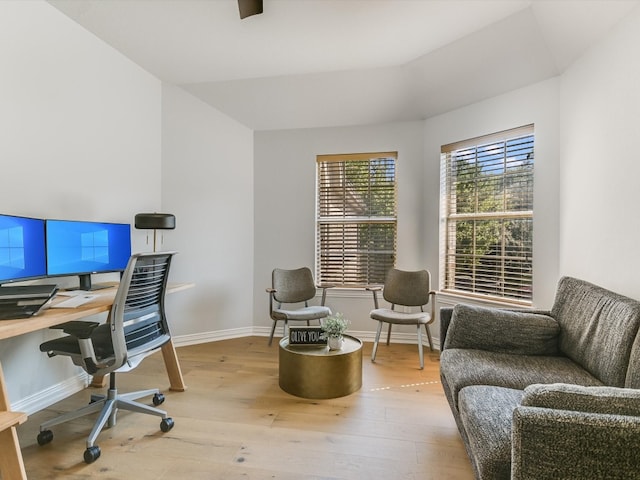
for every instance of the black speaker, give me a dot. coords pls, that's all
(160, 221)
(249, 7)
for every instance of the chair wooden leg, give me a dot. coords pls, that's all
(389, 334)
(375, 343)
(420, 352)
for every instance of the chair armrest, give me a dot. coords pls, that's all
(270, 291)
(548, 444)
(324, 287)
(77, 328)
(504, 331)
(432, 301)
(374, 290)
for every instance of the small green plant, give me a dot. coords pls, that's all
(334, 326)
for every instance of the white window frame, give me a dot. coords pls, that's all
(356, 219)
(498, 198)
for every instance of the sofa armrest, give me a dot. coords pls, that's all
(504, 331)
(578, 398)
(550, 444)
(445, 320)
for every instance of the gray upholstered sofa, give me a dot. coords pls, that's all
(547, 395)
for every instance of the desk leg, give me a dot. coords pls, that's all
(171, 364)
(11, 464)
(173, 367)
(99, 381)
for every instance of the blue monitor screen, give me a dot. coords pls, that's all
(87, 247)
(22, 248)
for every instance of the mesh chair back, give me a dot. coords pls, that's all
(293, 286)
(407, 288)
(137, 318)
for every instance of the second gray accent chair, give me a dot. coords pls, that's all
(408, 293)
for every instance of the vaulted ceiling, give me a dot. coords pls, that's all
(316, 63)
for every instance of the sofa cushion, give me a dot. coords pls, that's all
(606, 400)
(460, 368)
(486, 413)
(504, 331)
(598, 329)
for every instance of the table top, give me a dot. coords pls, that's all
(350, 345)
(56, 316)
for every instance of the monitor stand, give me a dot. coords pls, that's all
(85, 283)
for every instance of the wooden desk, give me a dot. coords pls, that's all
(11, 464)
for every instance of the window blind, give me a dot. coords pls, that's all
(356, 218)
(488, 215)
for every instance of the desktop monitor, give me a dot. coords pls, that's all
(22, 248)
(83, 248)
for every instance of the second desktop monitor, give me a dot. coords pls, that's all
(83, 248)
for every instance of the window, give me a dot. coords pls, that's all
(487, 212)
(356, 218)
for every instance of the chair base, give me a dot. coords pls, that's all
(107, 407)
(419, 331)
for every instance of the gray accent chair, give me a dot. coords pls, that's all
(293, 289)
(408, 292)
(136, 327)
(542, 395)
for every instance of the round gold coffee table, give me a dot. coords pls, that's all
(317, 372)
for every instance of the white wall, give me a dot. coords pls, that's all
(89, 135)
(537, 104)
(600, 113)
(80, 127)
(207, 182)
(285, 192)
(285, 172)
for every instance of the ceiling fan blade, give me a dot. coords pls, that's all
(249, 7)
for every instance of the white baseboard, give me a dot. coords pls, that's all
(47, 397)
(184, 340)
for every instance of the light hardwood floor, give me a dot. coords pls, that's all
(234, 422)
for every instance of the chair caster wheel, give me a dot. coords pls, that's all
(166, 424)
(158, 399)
(91, 454)
(45, 437)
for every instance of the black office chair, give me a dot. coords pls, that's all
(136, 327)
(294, 287)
